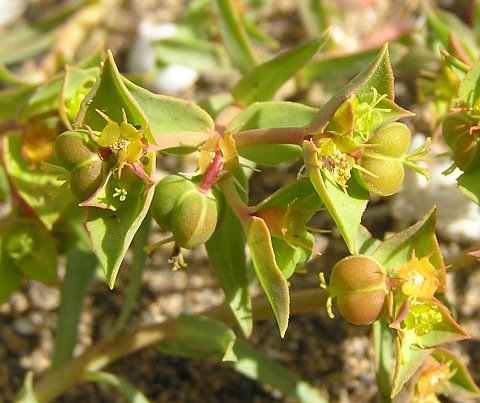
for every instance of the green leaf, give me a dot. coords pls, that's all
(111, 232)
(44, 100)
(233, 35)
(443, 23)
(201, 336)
(269, 274)
(365, 244)
(289, 257)
(76, 84)
(31, 248)
(335, 67)
(345, 207)
(470, 185)
(10, 275)
(166, 114)
(198, 54)
(11, 101)
(81, 265)
(469, 90)
(34, 185)
(271, 115)
(405, 369)
(26, 394)
(378, 75)
(137, 266)
(227, 254)
(258, 366)
(130, 391)
(265, 80)
(461, 385)
(396, 250)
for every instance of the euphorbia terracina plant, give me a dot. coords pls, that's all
(82, 148)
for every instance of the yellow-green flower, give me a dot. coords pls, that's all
(420, 278)
(422, 317)
(432, 377)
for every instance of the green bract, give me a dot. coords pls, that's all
(180, 207)
(358, 284)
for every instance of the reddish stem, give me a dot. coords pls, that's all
(212, 172)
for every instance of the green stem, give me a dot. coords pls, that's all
(59, 380)
(233, 199)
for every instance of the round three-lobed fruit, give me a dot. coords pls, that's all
(358, 284)
(383, 162)
(180, 207)
(77, 153)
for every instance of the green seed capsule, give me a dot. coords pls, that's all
(73, 148)
(358, 284)
(194, 219)
(180, 207)
(85, 179)
(388, 177)
(392, 140)
(455, 126)
(167, 193)
(466, 153)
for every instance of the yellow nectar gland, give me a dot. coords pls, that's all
(420, 278)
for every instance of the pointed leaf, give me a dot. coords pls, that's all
(469, 90)
(461, 384)
(166, 114)
(265, 80)
(346, 208)
(75, 86)
(405, 369)
(201, 336)
(233, 35)
(470, 185)
(269, 274)
(396, 250)
(130, 391)
(260, 367)
(111, 232)
(378, 75)
(193, 52)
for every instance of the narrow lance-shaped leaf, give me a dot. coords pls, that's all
(130, 391)
(345, 207)
(201, 336)
(263, 81)
(233, 35)
(269, 274)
